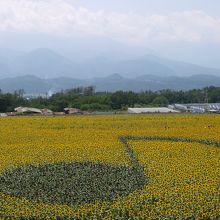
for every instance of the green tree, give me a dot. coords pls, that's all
(160, 101)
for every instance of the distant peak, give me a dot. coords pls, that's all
(45, 53)
(115, 76)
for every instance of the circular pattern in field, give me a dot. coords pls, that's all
(71, 183)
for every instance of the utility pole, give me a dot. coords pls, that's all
(206, 99)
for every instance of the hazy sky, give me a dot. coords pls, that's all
(154, 24)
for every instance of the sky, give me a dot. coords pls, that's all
(180, 29)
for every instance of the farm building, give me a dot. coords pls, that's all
(28, 110)
(198, 107)
(151, 110)
(72, 111)
(33, 111)
(180, 107)
(3, 115)
(46, 111)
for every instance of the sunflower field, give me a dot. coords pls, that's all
(110, 167)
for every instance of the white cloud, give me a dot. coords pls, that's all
(60, 17)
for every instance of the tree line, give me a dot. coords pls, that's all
(87, 99)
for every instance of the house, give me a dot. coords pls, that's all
(72, 111)
(11, 113)
(46, 111)
(27, 110)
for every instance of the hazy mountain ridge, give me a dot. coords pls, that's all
(43, 63)
(46, 63)
(30, 84)
(35, 85)
(44, 70)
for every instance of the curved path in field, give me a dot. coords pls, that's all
(78, 183)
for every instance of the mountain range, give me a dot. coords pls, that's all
(111, 83)
(45, 63)
(43, 70)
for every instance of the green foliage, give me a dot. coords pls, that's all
(75, 183)
(94, 106)
(121, 99)
(160, 101)
(10, 101)
(87, 99)
(71, 183)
